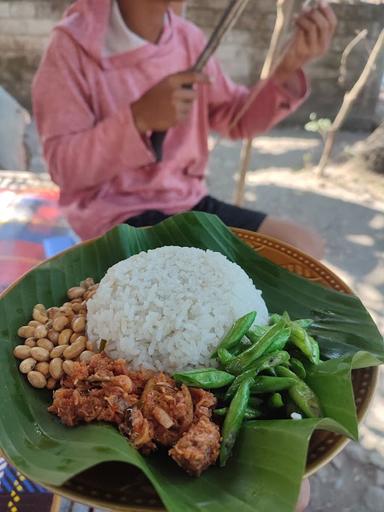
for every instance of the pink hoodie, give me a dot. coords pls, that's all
(105, 169)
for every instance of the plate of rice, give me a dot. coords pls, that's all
(197, 368)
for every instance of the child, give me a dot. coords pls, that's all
(114, 72)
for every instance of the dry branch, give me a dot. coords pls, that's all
(283, 16)
(348, 101)
(346, 53)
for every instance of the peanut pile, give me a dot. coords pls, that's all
(55, 338)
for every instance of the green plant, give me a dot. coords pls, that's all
(318, 125)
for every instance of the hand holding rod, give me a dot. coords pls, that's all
(228, 19)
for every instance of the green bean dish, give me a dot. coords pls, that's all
(267, 363)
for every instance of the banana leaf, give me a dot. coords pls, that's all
(268, 463)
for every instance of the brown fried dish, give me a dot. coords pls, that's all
(149, 408)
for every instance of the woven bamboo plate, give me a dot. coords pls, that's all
(122, 488)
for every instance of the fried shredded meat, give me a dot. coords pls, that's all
(149, 408)
(203, 402)
(101, 390)
(168, 407)
(198, 448)
(138, 430)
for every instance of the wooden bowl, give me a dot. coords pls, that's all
(122, 488)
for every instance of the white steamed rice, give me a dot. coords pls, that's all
(167, 309)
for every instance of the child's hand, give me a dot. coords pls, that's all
(314, 31)
(167, 103)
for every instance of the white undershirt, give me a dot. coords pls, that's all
(120, 38)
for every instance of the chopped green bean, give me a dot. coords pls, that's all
(233, 421)
(207, 378)
(264, 363)
(251, 413)
(273, 319)
(220, 412)
(276, 401)
(305, 399)
(315, 350)
(303, 341)
(259, 330)
(243, 345)
(249, 374)
(282, 371)
(298, 368)
(280, 341)
(269, 361)
(302, 322)
(224, 356)
(264, 384)
(302, 395)
(236, 332)
(261, 345)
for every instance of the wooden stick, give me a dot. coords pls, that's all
(283, 16)
(348, 101)
(284, 12)
(346, 53)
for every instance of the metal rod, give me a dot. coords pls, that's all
(228, 19)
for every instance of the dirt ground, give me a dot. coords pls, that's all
(347, 208)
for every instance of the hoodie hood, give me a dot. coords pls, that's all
(87, 22)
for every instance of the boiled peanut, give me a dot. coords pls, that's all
(44, 343)
(60, 322)
(22, 352)
(83, 339)
(26, 331)
(77, 307)
(58, 351)
(53, 336)
(52, 312)
(43, 368)
(37, 380)
(86, 356)
(75, 349)
(27, 365)
(87, 283)
(51, 383)
(90, 346)
(40, 354)
(34, 323)
(78, 324)
(68, 367)
(64, 337)
(75, 292)
(41, 331)
(74, 337)
(56, 368)
(66, 311)
(40, 315)
(30, 342)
